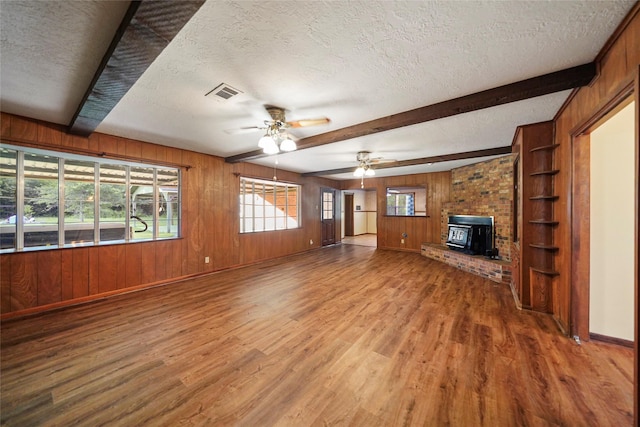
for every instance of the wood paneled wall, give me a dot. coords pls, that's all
(43, 279)
(418, 229)
(618, 65)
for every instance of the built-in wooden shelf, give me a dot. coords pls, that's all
(543, 222)
(549, 172)
(544, 147)
(544, 247)
(545, 272)
(544, 197)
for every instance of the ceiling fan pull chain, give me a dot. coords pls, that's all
(275, 169)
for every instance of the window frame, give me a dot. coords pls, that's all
(97, 164)
(248, 211)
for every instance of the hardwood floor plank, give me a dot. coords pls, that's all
(345, 335)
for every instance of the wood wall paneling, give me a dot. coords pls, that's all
(5, 285)
(24, 129)
(24, 281)
(615, 74)
(93, 267)
(66, 273)
(5, 125)
(49, 285)
(209, 223)
(147, 262)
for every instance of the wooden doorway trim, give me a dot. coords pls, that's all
(580, 223)
(580, 209)
(348, 214)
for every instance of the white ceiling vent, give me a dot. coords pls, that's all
(224, 92)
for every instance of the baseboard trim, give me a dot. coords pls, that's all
(611, 340)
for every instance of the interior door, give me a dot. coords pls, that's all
(328, 216)
(348, 214)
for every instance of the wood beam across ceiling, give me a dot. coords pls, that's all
(569, 78)
(422, 161)
(146, 29)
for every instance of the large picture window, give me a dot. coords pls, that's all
(50, 199)
(267, 205)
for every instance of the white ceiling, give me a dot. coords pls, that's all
(351, 61)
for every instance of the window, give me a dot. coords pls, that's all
(71, 200)
(266, 205)
(400, 204)
(407, 201)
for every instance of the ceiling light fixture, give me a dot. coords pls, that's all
(363, 169)
(276, 139)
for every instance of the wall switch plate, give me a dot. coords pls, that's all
(206, 260)
(311, 241)
(402, 241)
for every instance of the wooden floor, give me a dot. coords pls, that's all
(362, 240)
(347, 335)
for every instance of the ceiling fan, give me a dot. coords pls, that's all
(276, 137)
(364, 168)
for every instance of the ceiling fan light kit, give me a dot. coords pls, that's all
(276, 139)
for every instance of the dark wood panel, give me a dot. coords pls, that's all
(5, 125)
(287, 343)
(146, 29)
(112, 268)
(147, 262)
(581, 213)
(5, 284)
(49, 267)
(24, 281)
(133, 265)
(66, 273)
(51, 134)
(81, 270)
(94, 270)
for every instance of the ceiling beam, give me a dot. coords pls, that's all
(146, 29)
(569, 78)
(424, 160)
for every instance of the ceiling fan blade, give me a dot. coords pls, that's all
(240, 131)
(380, 160)
(308, 122)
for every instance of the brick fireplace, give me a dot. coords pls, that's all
(482, 189)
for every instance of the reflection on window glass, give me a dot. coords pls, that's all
(266, 205)
(8, 202)
(40, 200)
(169, 208)
(113, 210)
(142, 203)
(79, 205)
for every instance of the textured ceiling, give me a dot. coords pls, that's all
(350, 61)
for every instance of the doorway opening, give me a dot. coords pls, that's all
(604, 192)
(360, 218)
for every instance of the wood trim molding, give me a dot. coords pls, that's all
(611, 340)
(618, 31)
(424, 160)
(537, 86)
(146, 29)
(87, 152)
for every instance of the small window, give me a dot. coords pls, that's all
(400, 204)
(266, 205)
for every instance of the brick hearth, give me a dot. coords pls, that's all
(495, 270)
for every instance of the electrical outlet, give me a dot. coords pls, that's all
(402, 241)
(311, 241)
(206, 260)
